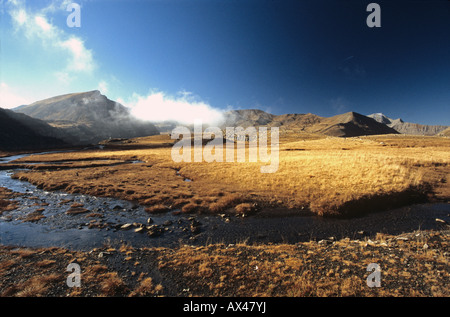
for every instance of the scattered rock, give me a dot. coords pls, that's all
(441, 221)
(154, 231)
(167, 223)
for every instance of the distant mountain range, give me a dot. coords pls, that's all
(344, 125)
(90, 117)
(407, 127)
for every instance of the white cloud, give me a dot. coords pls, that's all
(159, 106)
(11, 98)
(36, 25)
(81, 58)
(43, 23)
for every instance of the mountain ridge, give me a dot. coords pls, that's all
(408, 127)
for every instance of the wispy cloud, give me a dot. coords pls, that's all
(11, 98)
(37, 25)
(340, 105)
(350, 68)
(103, 87)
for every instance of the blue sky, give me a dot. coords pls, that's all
(209, 55)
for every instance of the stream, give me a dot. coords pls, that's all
(107, 217)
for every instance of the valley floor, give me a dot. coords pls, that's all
(327, 176)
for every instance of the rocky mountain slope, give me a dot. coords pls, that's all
(446, 132)
(88, 117)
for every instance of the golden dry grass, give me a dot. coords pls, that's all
(311, 269)
(303, 269)
(327, 175)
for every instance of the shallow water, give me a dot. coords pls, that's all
(72, 231)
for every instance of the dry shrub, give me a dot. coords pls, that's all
(37, 286)
(33, 216)
(225, 202)
(112, 285)
(45, 263)
(3, 203)
(189, 208)
(147, 288)
(157, 209)
(24, 253)
(244, 208)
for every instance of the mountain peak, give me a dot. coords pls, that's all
(90, 116)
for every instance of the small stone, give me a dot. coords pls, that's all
(425, 246)
(195, 229)
(126, 226)
(440, 220)
(149, 220)
(140, 229)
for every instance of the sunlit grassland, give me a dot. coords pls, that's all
(323, 174)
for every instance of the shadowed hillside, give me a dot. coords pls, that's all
(20, 132)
